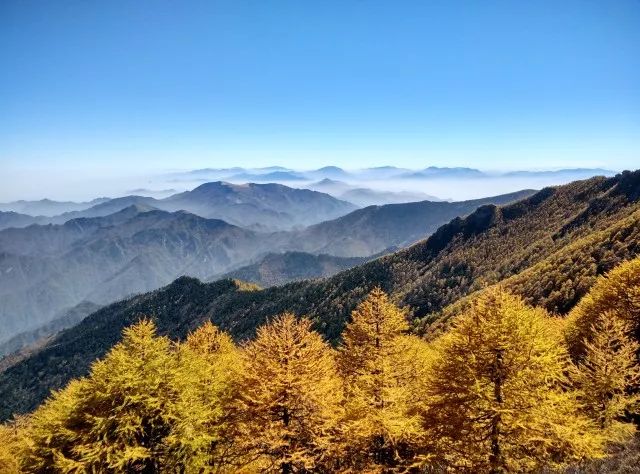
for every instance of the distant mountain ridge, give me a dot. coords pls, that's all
(47, 207)
(14, 219)
(265, 207)
(362, 187)
(284, 174)
(46, 268)
(373, 229)
(364, 197)
(269, 206)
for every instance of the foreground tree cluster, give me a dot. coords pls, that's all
(508, 389)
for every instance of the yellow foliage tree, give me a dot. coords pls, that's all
(12, 445)
(618, 293)
(497, 393)
(609, 376)
(289, 397)
(208, 365)
(118, 419)
(381, 368)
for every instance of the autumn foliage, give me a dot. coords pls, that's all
(508, 388)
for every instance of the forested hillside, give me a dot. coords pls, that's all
(376, 228)
(538, 235)
(508, 388)
(280, 268)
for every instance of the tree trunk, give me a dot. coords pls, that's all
(496, 460)
(285, 467)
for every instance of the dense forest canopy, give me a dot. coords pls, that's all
(508, 388)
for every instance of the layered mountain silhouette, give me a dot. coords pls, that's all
(364, 197)
(376, 228)
(549, 248)
(266, 207)
(47, 207)
(15, 219)
(46, 269)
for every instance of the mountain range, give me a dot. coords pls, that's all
(44, 269)
(47, 269)
(278, 173)
(374, 229)
(218, 198)
(47, 207)
(548, 247)
(266, 207)
(15, 219)
(362, 196)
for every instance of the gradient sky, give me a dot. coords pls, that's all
(97, 86)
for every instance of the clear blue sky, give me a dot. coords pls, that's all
(176, 84)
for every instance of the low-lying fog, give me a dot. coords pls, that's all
(444, 187)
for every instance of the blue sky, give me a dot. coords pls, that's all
(139, 85)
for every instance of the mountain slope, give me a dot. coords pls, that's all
(271, 206)
(375, 228)
(280, 268)
(47, 207)
(490, 245)
(14, 219)
(44, 269)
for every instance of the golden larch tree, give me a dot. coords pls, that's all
(380, 366)
(118, 419)
(289, 397)
(498, 397)
(617, 292)
(609, 375)
(208, 366)
(12, 445)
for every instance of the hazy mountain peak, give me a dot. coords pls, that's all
(328, 181)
